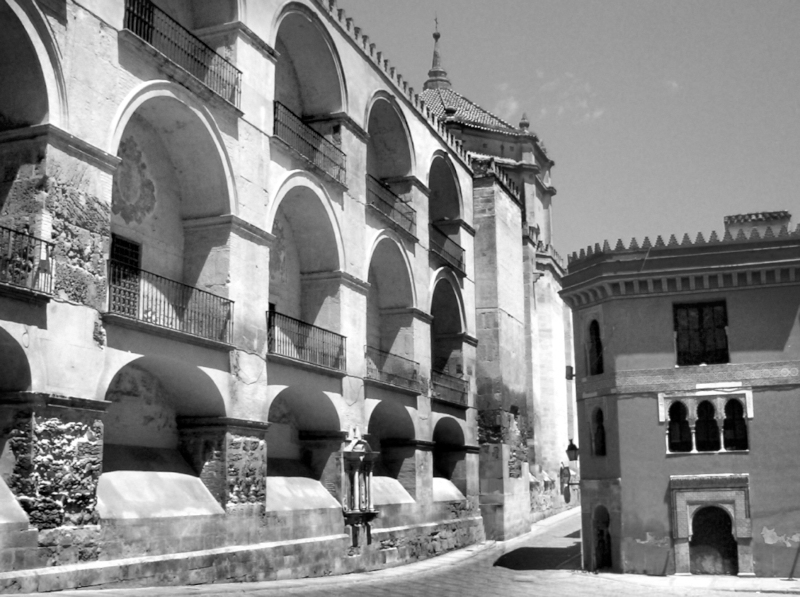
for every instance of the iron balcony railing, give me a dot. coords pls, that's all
(310, 144)
(392, 369)
(290, 337)
(180, 45)
(144, 296)
(391, 205)
(446, 248)
(449, 389)
(26, 261)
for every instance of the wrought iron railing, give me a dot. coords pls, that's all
(290, 337)
(144, 296)
(391, 205)
(446, 248)
(449, 389)
(392, 369)
(26, 261)
(310, 144)
(180, 45)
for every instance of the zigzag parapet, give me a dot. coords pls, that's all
(646, 245)
(370, 51)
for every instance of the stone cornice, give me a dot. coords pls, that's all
(244, 32)
(683, 270)
(343, 119)
(43, 400)
(413, 180)
(344, 278)
(236, 224)
(778, 373)
(226, 423)
(69, 144)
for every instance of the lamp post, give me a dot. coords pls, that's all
(572, 452)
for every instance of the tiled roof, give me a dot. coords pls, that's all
(762, 216)
(438, 100)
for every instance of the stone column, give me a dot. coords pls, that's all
(230, 456)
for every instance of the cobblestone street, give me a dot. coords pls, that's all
(543, 562)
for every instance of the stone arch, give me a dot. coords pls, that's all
(601, 538)
(390, 299)
(445, 201)
(449, 460)
(15, 374)
(307, 250)
(712, 545)
(707, 437)
(679, 435)
(25, 35)
(390, 149)
(199, 144)
(392, 430)
(309, 78)
(449, 324)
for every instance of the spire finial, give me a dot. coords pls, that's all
(437, 76)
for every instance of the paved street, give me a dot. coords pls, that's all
(543, 562)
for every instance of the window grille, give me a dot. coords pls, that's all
(679, 434)
(734, 426)
(706, 428)
(700, 333)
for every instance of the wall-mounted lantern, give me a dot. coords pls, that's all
(572, 451)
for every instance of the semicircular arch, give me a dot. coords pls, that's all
(301, 195)
(401, 270)
(390, 149)
(446, 276)
(446, 198)
(44, 46)
(191, 133)
(314, 83)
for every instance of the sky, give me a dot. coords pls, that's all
(662, 116)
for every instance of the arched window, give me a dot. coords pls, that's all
(595, 349)
(599, 433)
(734, 427)
(679, 434)
(706, 428)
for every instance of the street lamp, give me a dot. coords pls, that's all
(572, 451)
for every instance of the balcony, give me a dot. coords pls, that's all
(152, 25)
(26, 261)
(447, 249)
(312, 146)
(449, 389)
(143, 296)
(393, 369)
(295, 339)
(381, 197)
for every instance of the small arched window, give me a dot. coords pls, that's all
(706, 428)
(595, 349)
(734, 427)
(679, 437)
(599, 433)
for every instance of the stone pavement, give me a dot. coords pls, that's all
(545, 561)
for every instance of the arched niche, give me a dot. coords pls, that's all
(307, 246)
(389, 149)
(174, 170)
(15, 373)
(445, 198)
(145, 474)
(308, 76)
(392, 431)
(389, 300)
(449, 461)
(601, 538)
(447, 328)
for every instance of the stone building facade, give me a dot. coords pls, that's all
(238, 285)
(688, 365)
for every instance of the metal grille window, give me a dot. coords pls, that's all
(125, 275)
(700, 333)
